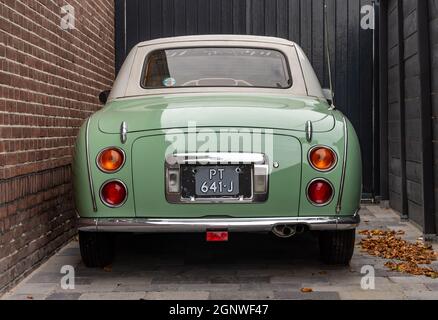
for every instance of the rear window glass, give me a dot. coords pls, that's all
(216, 67)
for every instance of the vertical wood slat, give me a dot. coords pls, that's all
(239, 17)
(180, 18)
(364, 41)
(270, 21)
(168, 18)
(156, 23)
(257, 17)
(332, 30)
(227, 17)
(294, 20)
(383, 102)
(282, 22)
(203, 16)
(340, 77)
(192, 17)
(357, 50)
(376, 102)
(133, 25)
(306, 27)
(317, 38)
(215, 16)
(428, 189)
(119, 36)
(401, 72)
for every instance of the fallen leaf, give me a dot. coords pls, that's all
(387, 245)
(306, 290)
(108, 268)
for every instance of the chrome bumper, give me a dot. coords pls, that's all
(139, 225)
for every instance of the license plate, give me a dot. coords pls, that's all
(217, 181)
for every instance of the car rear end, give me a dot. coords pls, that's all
(205, 135)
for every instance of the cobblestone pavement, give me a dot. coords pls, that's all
(250, 266)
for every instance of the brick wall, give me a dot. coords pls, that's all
(49, 82)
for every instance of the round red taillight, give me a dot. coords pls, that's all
(320, 192)
(113, 193)
(322, 158)
(110, 160)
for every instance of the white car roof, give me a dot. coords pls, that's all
(127, 84)
(218, 37)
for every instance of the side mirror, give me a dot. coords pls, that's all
(103, 96)
(329, 95)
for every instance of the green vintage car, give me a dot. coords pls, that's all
(217, 134)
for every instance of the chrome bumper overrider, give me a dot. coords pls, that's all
(201, 225)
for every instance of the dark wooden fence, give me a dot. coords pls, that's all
(409, 83)
(299, 20)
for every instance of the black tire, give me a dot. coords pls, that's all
(337, 247)
(97, 249)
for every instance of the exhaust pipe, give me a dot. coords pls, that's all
(284, 231)
(300, 229)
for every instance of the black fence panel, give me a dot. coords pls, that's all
(351, 39)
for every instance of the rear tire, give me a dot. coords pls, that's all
(337, 247)
(97, 249)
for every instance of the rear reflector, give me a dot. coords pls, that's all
(217, 236)
(113, 193)
(320, 192)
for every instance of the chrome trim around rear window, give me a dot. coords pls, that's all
(328, 223)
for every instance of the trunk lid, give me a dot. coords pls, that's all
(148, 163)
(255, 111)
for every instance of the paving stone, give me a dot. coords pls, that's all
(64, 296)
(241, 279)
(70, 252)
(371, 295)
(298, 295)
(421, 295)
(44, 277)
(79, 288)
(112, 296)
(194, 287)
(298, 279)
(242, 295)
(179, 279)
(356, 281)
(271, 286)
(28, 297)
(177, 295)
(413, 279)
(432, 286)
(35, 288)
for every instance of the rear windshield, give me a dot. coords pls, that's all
(216, 67)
